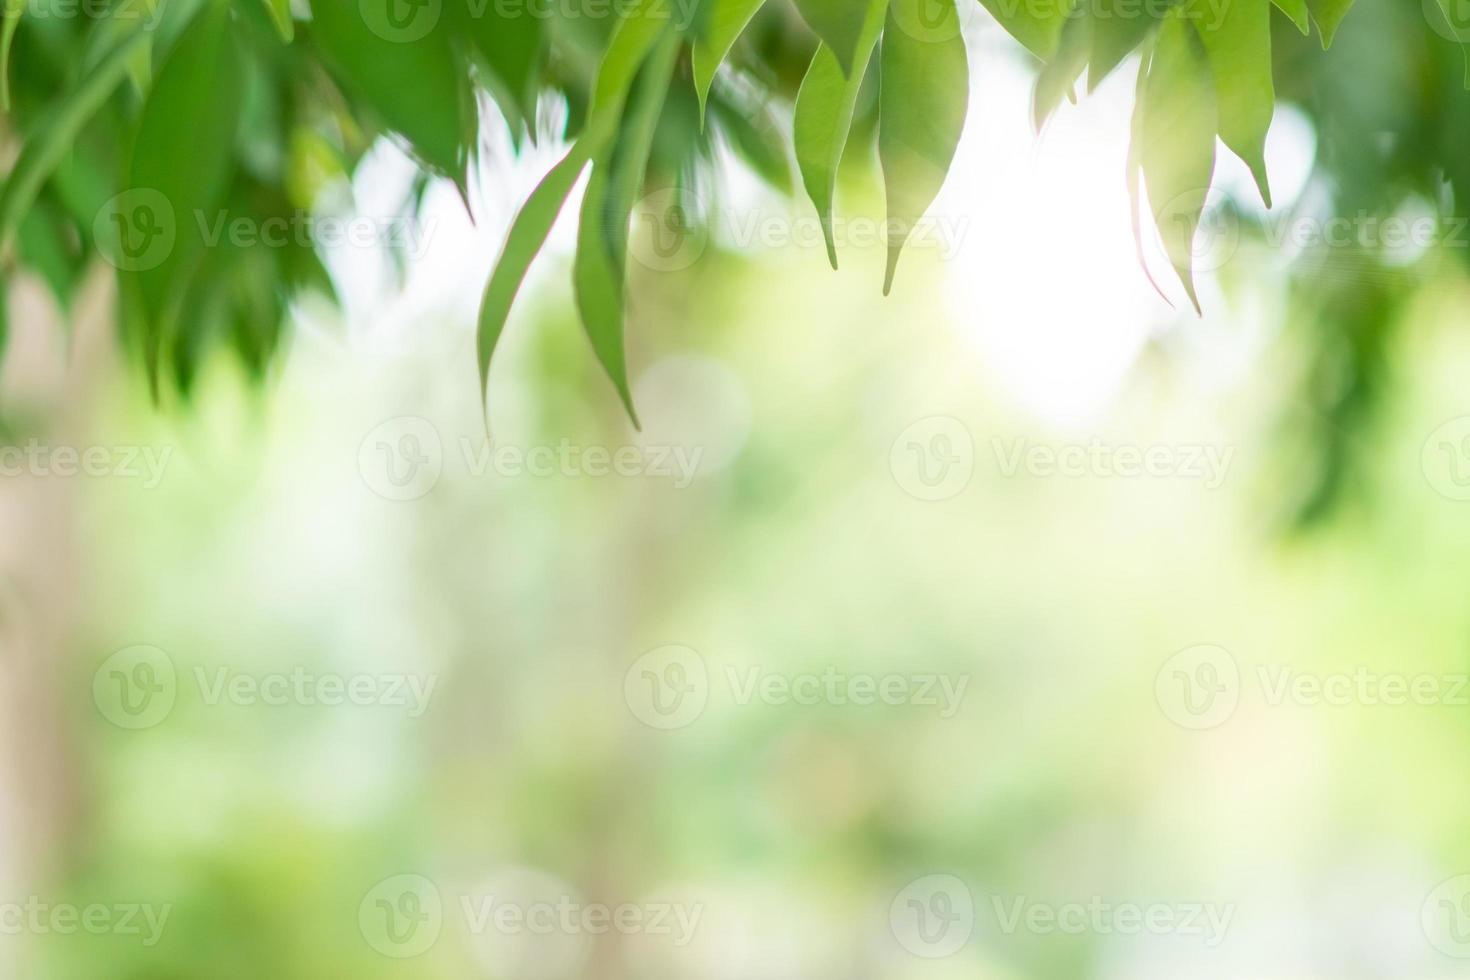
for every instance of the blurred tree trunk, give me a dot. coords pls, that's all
(49, 373)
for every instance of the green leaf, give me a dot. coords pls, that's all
(1237, 43)
(824, 107)
(12, 12)
(631, 41)
(1453, 27)
(599, 274)
(280, 11)
(1177, 141)
(728, 19)
(182, 158)
(1328, 15)
(1296, 11)
(925, 90)
(45, 147)
(1038, 30)
(1118, 28)
(841, 25)
(511, 44)
(1060, 74)
(406, 72)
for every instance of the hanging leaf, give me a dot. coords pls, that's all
(627, 49)
(925, 89)
(406, 72)
(512, 47)
(728, 19)
(1039, 31)
(602, 245)
(43, 149)
(1060, 74)
(180, 168)
(1177, 141)
(280, 11)
(1296, 12)
(1118, 27)
(1328, 15)
(12, 12)
(1134, 169)
(1455, 28)
(824, 107)
(1237, 42)
(841, 25)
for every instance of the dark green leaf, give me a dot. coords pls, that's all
(11, 12)
(1296, 10)
(511, 44)
(925, 90)
(1038, 26)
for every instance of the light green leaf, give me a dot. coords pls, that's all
(599, 274)
(824, 107)
(1056, 80)
(1177, 141)
(841, 25)
(1118, 27)
(1134, 168)
(406, 73)
(43, 149)
(627, 49)
(12, 12)
(183, 154)
(1328, 15)
(1296, 11)
(925, 90)
(1038, 30)
(1237, 41)
(728, 18)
